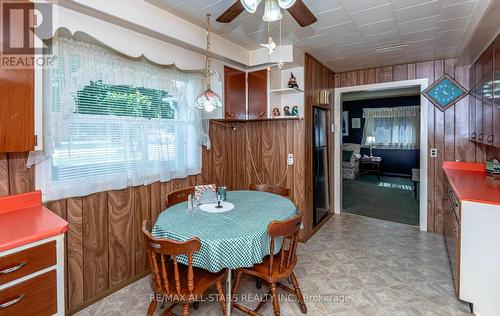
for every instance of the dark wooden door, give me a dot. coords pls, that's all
(487, 89)
(234, 93)
(496, 95)
(479, 100)
(472, 104)
(17, 125)
(257, 94)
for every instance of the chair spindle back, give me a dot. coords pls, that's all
(179, 196)
(289, 231)
(271, 189)
(162, 254)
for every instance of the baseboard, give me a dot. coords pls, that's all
(400, 175)
(107, 293)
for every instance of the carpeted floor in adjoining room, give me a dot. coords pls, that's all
(391, 198)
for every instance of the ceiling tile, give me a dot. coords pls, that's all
(373, 15)
(347, 31)
(453, 24)
(333, 17)
(378, 27)
(416, 12)
(456, 10)
(339, 30)
(318, 7)
(349, 39)
(418, 25)
(353, 6)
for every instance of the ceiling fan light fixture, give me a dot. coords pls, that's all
(272, 11)
(285, 4)
(251, 5)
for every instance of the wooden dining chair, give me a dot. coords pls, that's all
(178, 196)
(175, 282)
(271, 189)
(276, 267)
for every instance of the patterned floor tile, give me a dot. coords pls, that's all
(353, 266)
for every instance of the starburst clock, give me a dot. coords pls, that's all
(445, 92)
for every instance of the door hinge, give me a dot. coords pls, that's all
(36, 140)
(333, 128)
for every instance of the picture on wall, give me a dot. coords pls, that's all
(345, 123)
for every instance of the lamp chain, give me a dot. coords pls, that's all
(207, 62)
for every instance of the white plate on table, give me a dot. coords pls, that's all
(211, 207)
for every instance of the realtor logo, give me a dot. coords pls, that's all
(26, 34)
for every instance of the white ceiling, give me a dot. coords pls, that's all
(348, 32)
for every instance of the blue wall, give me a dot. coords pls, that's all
(394, 161)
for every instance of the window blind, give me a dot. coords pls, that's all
(121, 125)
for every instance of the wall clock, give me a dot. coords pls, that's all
(445, 92)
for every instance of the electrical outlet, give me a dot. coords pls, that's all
(434, 152)
(289, 160)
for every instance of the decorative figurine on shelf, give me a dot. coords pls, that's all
(295, 110)
(276, 112)
(286, 111)
(292, 83)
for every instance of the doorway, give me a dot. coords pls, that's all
(378, 179)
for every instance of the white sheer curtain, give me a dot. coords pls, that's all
(396, 128)
(112, 147)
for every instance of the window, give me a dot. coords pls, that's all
(393, 128)
(114, 122)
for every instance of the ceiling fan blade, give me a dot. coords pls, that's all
(231, 13)
(302, 14)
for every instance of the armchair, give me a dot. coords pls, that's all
(350, 169)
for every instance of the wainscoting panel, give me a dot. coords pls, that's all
(447, 131)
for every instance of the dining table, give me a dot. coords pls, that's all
(234, 236)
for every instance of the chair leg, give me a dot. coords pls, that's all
(222, 299)
(236, 284)
(258, 283)
(298, 293)
(185, 310)
(152, 307)
(276, 303)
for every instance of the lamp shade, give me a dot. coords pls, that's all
(251, 5)
(370, 140)
(208, 101)
(285, 4)
(272, 11)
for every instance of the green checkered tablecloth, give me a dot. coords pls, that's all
(234, 239)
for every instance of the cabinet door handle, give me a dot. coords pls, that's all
(473, 135)
(13, 301)
(480, 137)
(489, 139)
(14, 268)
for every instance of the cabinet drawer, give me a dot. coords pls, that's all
(36, 296)
(27, 261)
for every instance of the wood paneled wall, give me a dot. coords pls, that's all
(317, 77)
(447, 131)
(104, 245)
(255, 152)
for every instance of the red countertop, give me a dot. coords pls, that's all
(470, 182)
(23, 220)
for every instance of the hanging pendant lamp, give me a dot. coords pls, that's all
(208, 100)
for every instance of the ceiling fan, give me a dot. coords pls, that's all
(272, 11)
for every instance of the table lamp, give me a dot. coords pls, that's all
(370, 141)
